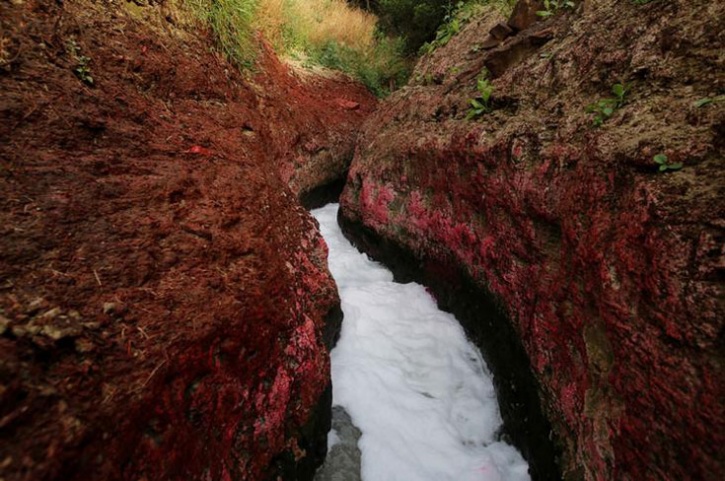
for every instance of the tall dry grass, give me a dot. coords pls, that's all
(297, 24)
(330, 33)
(335, 20)
(334, 34)
(271, 19)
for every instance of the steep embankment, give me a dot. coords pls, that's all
(609, 273)
(163, 296)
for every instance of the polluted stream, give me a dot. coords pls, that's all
(412, 398)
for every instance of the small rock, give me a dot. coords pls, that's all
(57, 333)
(348, 104)
(490, 42)
(84, 346)
(51, 314)
(501, 31)
(29, 329)
(524, 14)
(36, 305)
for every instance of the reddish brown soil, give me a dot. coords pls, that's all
(612, 273)
(162, 293)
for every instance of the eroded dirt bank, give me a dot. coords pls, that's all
(609, 273)
(163, 297)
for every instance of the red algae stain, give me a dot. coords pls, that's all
(164, 294)
(610, 272)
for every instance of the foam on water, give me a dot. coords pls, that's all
(410, 380)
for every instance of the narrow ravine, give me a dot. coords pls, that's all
(409, 379)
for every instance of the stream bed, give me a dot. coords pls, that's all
(413, 399)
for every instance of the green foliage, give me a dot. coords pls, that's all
(421, 21)
(603, 109)
(551, 7)
(457, 17)
(381, 70)
(443, 35)
(641, 2)
(231, 23)
(414, 20)
(619, 90)
(482, 104)
(708, 100)
(82, 69)
(664, 164)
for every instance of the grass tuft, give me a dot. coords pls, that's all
(231, 23)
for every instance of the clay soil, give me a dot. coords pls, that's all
(162, 293)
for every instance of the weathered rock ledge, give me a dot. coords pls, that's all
(610, 272)
(166, 311)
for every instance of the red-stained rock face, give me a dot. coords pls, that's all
(610, 271)
(163, 296)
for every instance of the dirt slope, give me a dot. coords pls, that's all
(611, 273)
(163, 297)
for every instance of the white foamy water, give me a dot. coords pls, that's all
(416, 388)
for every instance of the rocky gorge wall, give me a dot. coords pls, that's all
(562, 240)
(165, 305)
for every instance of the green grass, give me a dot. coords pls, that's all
(380, 64)
(381, 70)
(231, 23)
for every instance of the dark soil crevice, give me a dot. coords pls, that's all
(311, 440)
(323, 194)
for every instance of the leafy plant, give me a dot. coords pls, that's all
(82, 69)
(603, 109)
(620, 91)
(663, 162)
(450, 26)
(481, 104)
(551, 7)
